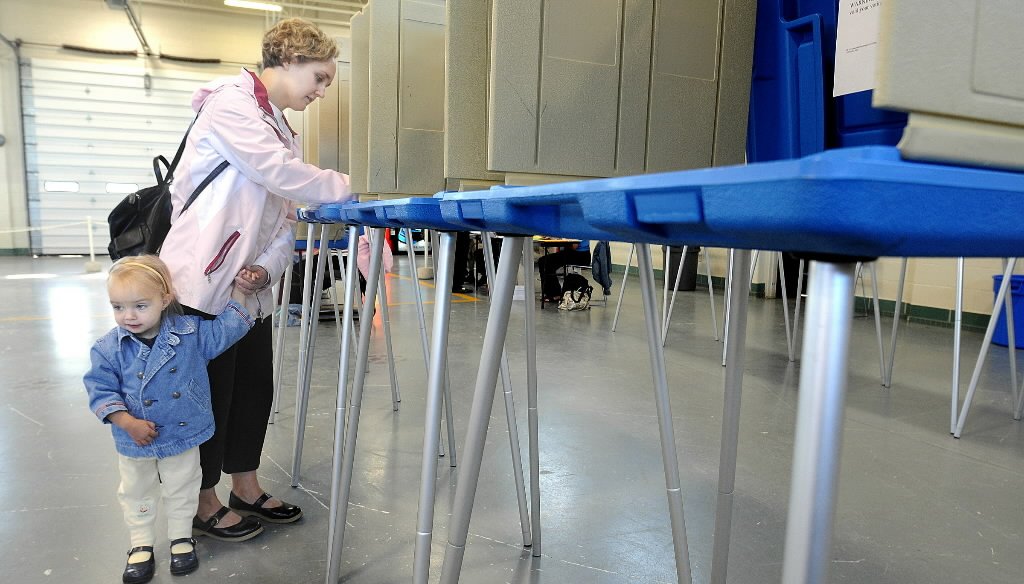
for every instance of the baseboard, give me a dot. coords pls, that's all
(942, 317)
(702, 280)
(15, 251)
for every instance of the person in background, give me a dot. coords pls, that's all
(461, 272)
(148, 381)
(239, 232)
(548, 264)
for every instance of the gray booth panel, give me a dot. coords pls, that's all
(956, 67)
(359, 103)
(613, 87)
(406, 97)
(467, 47)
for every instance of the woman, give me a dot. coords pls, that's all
(239, 231)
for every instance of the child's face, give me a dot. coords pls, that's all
(137, 311)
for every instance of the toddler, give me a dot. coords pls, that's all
(148, 381)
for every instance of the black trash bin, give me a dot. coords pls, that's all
(688, 280)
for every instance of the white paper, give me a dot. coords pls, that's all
(856, 41)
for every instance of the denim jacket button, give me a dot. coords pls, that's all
(140, 375)
(183, 423)
(174, 369)
(147, 402)
(175, 394)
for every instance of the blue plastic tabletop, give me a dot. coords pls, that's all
(860, 202)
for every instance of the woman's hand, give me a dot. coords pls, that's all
(251, 279)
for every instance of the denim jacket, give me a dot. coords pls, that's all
(167, 384)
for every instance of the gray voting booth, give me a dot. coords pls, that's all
(397, 139)
(514, 87)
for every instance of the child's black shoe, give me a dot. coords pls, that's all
(184, 562)
(139, 572)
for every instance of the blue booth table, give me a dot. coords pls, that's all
(836, 208)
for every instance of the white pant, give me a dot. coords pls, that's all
(142, 481)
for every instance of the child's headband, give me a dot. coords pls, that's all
(151, 269)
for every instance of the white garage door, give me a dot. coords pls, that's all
(92, 129)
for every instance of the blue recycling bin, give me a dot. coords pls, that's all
(1016, 292)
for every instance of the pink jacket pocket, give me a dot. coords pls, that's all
(222, 254)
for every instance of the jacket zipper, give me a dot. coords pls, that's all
(218, 260)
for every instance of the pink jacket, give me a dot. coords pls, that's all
(246, 215)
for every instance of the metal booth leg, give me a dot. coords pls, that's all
(434, 237)
(344, 361)
(358, 382)
(954, 406)
(510, 406)
(785, 309)
(531, 396)
(305, 335)
(622, 289)
(819, 423)
(282, 324)
(728, 303)
(483, 398)
(796, 309)
(1011, 344)
(711, 291)
(396, 394)
(420, 314)
(731, 417)
(997, 307)
(878, 320)
(334, 292)
(672, 303)
(665, 426)
(435, 395)
(887, 382)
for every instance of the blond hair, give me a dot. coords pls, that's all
(296, 40)
(147, 273)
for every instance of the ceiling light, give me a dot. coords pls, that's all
(253, 5)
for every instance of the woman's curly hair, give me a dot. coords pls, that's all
(296, 40)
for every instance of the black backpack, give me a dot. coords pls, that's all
(140, 222)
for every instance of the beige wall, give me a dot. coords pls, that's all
(930, 282)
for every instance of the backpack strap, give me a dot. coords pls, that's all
(177, 154)
(206, 182)
(156, 168)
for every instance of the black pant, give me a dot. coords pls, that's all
(481, 267)
(550, 263)
(461, 271)
(248, 367)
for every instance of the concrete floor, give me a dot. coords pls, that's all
(915, 505)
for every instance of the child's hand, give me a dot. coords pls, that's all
(238, 294)
(143, 432)
(250, 279)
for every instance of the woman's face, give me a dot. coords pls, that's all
(307, 81)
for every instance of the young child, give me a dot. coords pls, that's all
(148, 381)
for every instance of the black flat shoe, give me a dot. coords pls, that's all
(142, 571)
(184, 563)
(245, 529)
(285, 513)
